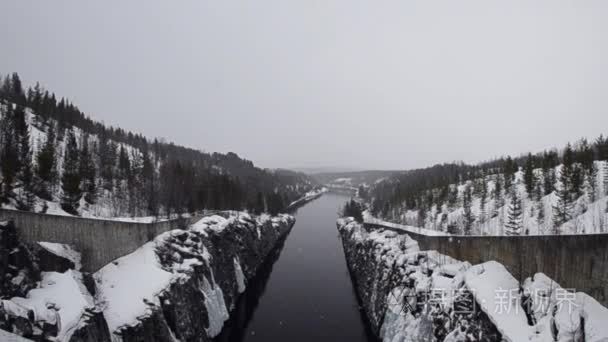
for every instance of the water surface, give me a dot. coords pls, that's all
(304, 291)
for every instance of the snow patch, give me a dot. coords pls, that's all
(240, 277)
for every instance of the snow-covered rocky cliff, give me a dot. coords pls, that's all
(182, 285)
(413, 295)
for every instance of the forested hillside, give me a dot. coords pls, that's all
(553, 192)
(55, 159)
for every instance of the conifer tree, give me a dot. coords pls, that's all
(549, 162)
(124, 164)
(259, 203)
(498, 197)
(25, 173)
(107, 161)
(529, 174)
(9, 153)
(70, 179)
(602, 154)
(87, 172)
(509, 171)
(46, 165)
(562, 212)
(353, 209)
(514, 223)
(469, 218)
(483, 198)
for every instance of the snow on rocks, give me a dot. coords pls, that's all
(194, 274)
(61, 299)
(412, 295)
(496, 292)
(129, 283)
(240, 277)
(561, 314)
(216, 307)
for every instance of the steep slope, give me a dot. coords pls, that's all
(499, 199)
(57, 160)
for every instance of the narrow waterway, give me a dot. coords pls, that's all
(304, 291)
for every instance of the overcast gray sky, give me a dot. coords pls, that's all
(364, 84)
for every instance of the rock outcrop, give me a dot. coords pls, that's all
(188, 280)
(413, 295)
(42, 294)
(182, 285)
(408, 294)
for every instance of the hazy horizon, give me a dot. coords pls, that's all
(350, 85)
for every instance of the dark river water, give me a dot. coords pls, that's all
(303, 292)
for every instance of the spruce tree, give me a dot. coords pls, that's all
(498, 197)
(483, 198)
(602, 154)
(529, 174)
(469, 218)
(46, 165)
(353, 209)
(26, 200)
(87, 172)
(259, 203)
(70, 179)
(510, 168)
(9, 153)
(514, 223)
(562, 211)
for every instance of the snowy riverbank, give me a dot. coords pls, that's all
(309, 196)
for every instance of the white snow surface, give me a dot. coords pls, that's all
(128, 283)
(240, 277)
(69, 295)
(497, 294)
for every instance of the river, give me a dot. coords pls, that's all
(304, 291)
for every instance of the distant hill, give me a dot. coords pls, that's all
(354, 178)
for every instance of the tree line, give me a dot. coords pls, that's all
(79, 162)
(419, 190)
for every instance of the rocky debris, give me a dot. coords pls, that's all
(43, 297)
(19, 271)
(182, 285)
(412, 295)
